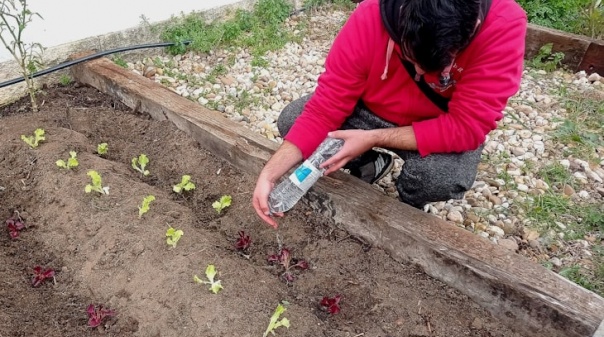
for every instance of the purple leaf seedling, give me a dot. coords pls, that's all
(96, 316)
(41, 275)
(289, 264)
(14, 225)
(331, 304)
(243, 244)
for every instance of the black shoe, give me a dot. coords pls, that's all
(377, 167)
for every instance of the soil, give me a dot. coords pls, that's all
(104, 254)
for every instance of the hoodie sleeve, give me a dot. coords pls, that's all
(491, 78)
(341, 84)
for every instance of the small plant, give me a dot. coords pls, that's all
(65, 80)
(332, 304)
(72, 162)
(96, 183)
(289, 264)
(185, 184)
(173, 235)
(40, 275)
(15, 17)
(102, 149)
(15, 224)
(140, 164)
(211, 272)
(120, 62)
(243, 243)
(144, 207)
(224, 202)
(546, 60)
(34, 141)
(275, 323)
(97, 315)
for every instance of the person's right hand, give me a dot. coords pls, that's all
(260, 201)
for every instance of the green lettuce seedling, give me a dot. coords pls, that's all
(102, 149)
(71, 162)
(173, 236)
(34, 141)
(224, 202)
(211, 272)
(185, 184)
(275, 322)
(144, 208)
(96, 183)
(140, 164)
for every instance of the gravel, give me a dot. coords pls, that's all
(513, 154)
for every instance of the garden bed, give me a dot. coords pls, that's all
(103, 253)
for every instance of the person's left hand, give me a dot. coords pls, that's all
(356, 142)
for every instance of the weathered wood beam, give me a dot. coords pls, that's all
(580, 52)
(528, 297)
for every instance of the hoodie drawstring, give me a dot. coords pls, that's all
(389, 51)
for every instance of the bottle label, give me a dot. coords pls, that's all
(305, 175)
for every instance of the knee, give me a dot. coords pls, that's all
(419, 185)
(290, 113)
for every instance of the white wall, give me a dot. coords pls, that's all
(67, 21)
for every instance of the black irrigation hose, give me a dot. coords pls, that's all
(92, 57)
(108, 52)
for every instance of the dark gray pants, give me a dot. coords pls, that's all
(436, 177)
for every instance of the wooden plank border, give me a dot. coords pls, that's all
(528, 297)
(580, 52)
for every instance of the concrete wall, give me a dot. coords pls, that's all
(71, 26)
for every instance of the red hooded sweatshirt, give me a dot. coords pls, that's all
(360, 66)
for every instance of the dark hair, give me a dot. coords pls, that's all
(432, 31)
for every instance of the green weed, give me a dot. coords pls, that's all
(574, 16)
(65, 80)
(120, 61)
(261, 30)
(582, 130)
(556, 175)
(344, 4)
(546, 59)
(588, 279)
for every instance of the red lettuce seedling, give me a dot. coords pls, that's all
(331, 304)
(14, 227)
(96, 316)
(284, 258)
(41, 275)
(243, 243)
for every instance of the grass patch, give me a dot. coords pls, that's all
(260, 30)
(579, 219)
(591, 279)
(556, 175)
(120, 61)
(584, 17)
(582, 130)
(343, 4)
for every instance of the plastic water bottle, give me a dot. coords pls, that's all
(291, 190)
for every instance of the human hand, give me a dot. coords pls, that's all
(356, 142)
(260, 201)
